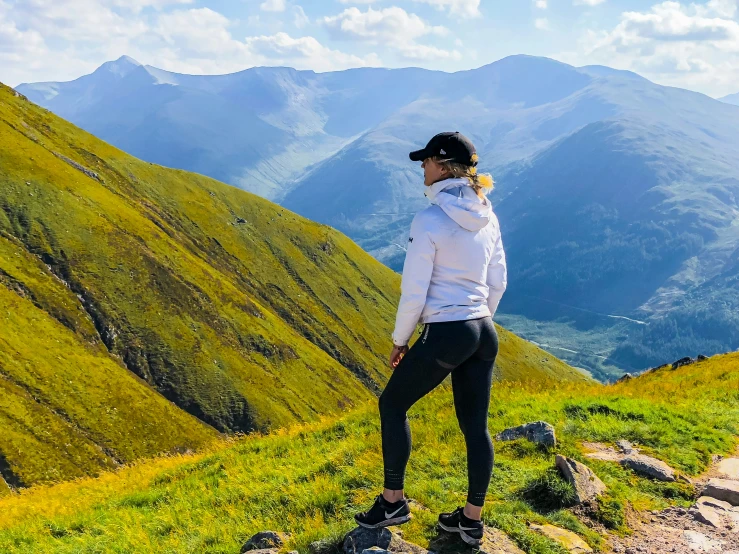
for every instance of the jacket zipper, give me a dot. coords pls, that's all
(425, 334)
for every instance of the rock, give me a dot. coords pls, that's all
(361, 539)
(701, 357)
(714, 503)
(566, 538)
(375, 550)
(729, 468)
(494, 541)
(701, 543)
(706, 514)
(682, 361)
(723, 489)
(586, 483)
(265, 540)
(240, 221)
(538, 432)
(79, 167)
(625, 377)
(649, 467)
(625, 446)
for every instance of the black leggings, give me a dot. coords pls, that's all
(467, 350)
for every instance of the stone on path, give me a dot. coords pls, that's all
(729, 468)
(375, 550)
(625, 446)
(706, 514)
(566, 538)
(361, 539)
(698, 542)
(493, 542)
(714, 503)
(586, 483)
(263, 541)
(649, 467)
(538, 432)
(723, 489)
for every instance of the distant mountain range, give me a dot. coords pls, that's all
(143, 309)
(731, 99)
(617, 196)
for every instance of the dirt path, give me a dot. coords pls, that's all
(680, 531)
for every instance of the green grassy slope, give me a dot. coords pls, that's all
(310, 479)
(119, 278)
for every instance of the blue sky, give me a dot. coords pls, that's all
(688, 44)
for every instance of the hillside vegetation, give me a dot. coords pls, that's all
(310, 479)
(144, 310)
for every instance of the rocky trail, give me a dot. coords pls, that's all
(711, 525)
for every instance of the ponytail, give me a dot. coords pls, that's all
(481, 183)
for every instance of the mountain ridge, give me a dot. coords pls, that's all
(148, 309)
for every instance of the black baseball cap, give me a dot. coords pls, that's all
(454, 147)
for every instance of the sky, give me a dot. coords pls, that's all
(690, 45)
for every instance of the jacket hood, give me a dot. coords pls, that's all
(460, 202)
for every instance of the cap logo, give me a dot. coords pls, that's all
(442, 152)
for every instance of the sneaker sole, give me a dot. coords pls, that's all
(386, 523)
(465, 537)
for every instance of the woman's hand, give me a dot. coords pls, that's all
(397, 355)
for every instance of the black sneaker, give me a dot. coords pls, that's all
(383, 514)
(470, 530)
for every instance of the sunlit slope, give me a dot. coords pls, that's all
(319, 475)
(121, 276)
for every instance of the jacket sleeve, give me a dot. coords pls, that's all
(497, 277)
(417, 269)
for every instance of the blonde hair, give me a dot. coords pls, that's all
(482, 183)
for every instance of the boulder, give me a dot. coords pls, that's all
(625, 446)
(714, 503)
(706, 514)
(729, 468)
(567, 539)
(538, 432)
(698, 542)
(723, 489)
(701, 357)
(264, 540)
(494, 541)
(682, 361)
(375, 550)
(649, 467)
(625, 377)
(586, 483)
(361, 539)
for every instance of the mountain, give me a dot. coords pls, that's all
(617, 196)
(147, 309)
(731, 99)
(308, 481)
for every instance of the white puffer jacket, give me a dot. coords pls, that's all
(455, 266)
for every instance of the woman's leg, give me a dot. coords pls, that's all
(417, 374)
(471, 383)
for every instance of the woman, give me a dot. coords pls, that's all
(453, 279)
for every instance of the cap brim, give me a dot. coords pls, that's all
(419, 155)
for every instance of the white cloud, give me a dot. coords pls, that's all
(542, 23)
(689, 45)
(273, 6)
(460, 8)
(63, 39)
(357, 1)
(300, 20)
(541, 4)
(305, 53)
(393, 27)
(588, 2)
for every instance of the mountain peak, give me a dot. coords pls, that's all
(731, 99)
(120, 67)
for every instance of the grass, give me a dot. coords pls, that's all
(142, 309)
(309, 479)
